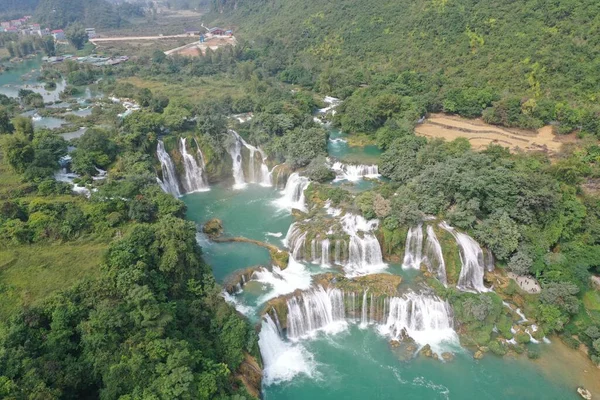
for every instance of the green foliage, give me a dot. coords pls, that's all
(319, 171)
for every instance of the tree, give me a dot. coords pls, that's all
(561, 295)
(76, 35)
(18, 151)
(520, 263)
(500, 233)
(5, 125)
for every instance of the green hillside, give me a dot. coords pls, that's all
(533, 50)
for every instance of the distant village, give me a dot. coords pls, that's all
(21, 26)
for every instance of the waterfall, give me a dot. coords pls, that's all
(426, 319)
(194, 179)
(363, 315)
(414, 248)
(364, 251)
(235, 151)
(169, 177)
(318, 309)
(257, 173)
(354, 173)
(433, 257)
(325, 252)
(471, 257)
(293, 194)
(282, 282)
(295, 240)
(489, 260)
(282, 360)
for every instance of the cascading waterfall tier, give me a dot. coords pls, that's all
(424, 318)
(293, 194)
(194, 179)
(282, 360)
(252, 170)
(169, 182)
(364, 251)
(472, 260)
(318, 309)
(413, 250)
(354, 173)
(355, 248)
(433, 258)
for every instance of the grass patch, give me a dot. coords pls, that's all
(9, 180)
(194, 89)
(30, 274)
(591, 300)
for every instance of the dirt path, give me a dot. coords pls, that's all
(130, 38)
(197, 48)
(480, 134)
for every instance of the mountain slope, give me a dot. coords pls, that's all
(535, 48)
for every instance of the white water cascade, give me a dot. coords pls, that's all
(426, 319)
(257, 173)
(471, 257)
(433, 257)
(235, 151)
(413, 250)
(295, 240)
(354, 173)
(282, 360)
(364, 251)
(194, 179)
(169, 182)
(293, 194)
(317, 310)
(282, 282)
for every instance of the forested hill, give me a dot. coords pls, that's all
(535, 49)
(60, 13)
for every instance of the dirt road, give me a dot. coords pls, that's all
(129, 38)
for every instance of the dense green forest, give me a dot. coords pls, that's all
(533, 60)
(148, 320)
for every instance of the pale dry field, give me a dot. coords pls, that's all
(480, 134)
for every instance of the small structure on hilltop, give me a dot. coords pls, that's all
(192, 31)
(217, 31)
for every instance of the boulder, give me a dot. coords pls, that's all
(478, 355)
(426, 351)
(213, 228)
(446, 356)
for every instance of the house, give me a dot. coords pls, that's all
(192, 31)
(12, 29)
(58, 34)
(91, 32)
(5, 24)
(16, 22)
(216, 31)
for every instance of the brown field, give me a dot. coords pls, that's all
(480, 134)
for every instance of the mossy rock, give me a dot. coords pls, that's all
(497, 348)
(522, 338)
(279, 257)
(451, 253)
(504, 326)
(392, 241)
(213, 228)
